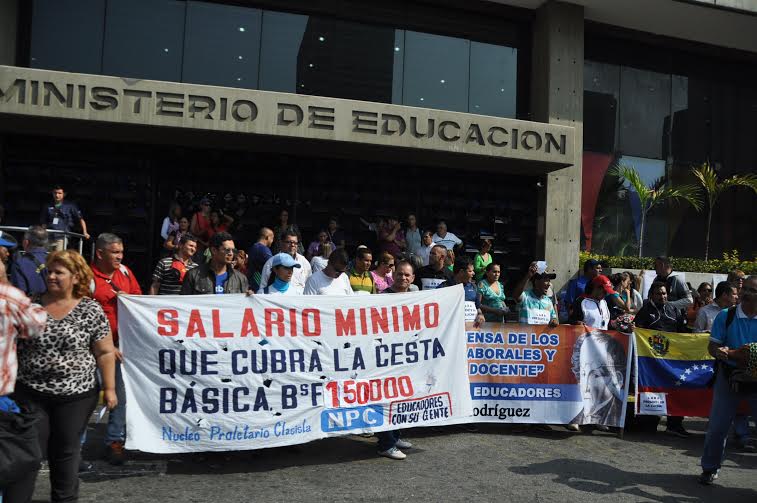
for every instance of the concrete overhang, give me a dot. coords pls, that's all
(723, 23)
(64, 104)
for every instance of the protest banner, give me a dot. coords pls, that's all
(537, 374)
(229, 372)
(672, 374)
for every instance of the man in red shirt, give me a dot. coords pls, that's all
(111, 279)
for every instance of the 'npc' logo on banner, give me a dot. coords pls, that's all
(659, 344)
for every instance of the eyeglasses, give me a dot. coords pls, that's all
(228, 251)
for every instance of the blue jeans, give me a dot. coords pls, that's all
(724, 405)
(116, 431)
(741, 428)
(387, 439)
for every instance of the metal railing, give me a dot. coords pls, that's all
(54, 236)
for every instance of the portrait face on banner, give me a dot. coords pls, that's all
(599, 364)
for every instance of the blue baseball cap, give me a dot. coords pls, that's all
(7, 240)
(284, 259)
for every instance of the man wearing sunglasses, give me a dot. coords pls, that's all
(217, 276)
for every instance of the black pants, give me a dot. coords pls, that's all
(62, 420)
(675, 421)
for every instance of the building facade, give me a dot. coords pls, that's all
(500, 118)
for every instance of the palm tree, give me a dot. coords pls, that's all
(713, 188)
(659, 192)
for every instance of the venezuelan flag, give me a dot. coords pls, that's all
(677, 365)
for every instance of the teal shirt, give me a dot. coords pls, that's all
(535, 310)
(490, 298)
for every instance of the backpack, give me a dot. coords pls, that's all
(739, 379)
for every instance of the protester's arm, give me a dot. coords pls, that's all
(169, 243)
(105, 355)
(84, 228)
(682, 322)
(576, 313)
(154, 287)
(164, 228)
(553, 319)
(684, 295)
(618, 302)
(29, 319)
(521, 284)
(194, 227)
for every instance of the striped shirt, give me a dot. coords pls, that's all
(18, 318)
(361, 283)
(170, 273)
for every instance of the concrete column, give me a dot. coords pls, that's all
(8, 30)
(557, 98)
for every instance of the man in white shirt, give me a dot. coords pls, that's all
(332, 280)
(726, 295)
(444, 238)
(289, 243)
(427, 242)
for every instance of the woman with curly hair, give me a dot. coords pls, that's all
(57, 371)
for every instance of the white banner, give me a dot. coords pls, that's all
(229, 372)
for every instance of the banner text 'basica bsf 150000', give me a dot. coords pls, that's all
(229, 372)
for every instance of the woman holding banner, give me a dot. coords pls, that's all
(280, 282)
(57, 371)
(491, 295)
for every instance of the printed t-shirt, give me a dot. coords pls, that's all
(535, 310)
(221, 282)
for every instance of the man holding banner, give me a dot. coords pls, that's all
(536, 308)
(733, 330)
(659, 314)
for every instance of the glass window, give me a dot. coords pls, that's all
(601, 93)
(644, 112)
(399, 66)
(280, 45)
(221, 45)
(333, 58)
(67, 35)
(436, 71)
(144, 39)
(493, 79)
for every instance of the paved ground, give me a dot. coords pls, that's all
(451, 465)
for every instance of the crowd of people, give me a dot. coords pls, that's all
(51, 295)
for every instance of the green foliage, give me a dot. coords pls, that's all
(729, 262)
(661, 191)
(713, 187)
